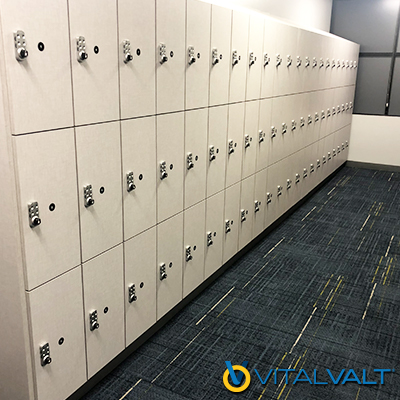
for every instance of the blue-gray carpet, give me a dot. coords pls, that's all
(327, 296)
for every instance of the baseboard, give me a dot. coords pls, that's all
(92, 382)
(377, 167)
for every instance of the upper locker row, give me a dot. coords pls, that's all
(136, 58)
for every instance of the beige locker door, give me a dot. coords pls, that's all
(169, 264)
(198, 27)
(99, 165)
(103, 288)
(268, 57)
(52, 247)
(214, 233)
(193, 247)
(140, 284)
(231, 222)
(170, 164)
(40, 92)
(196, 129)
(251, 138)
(137, 36)
(216, 157)
(239, 56)
(56, 316)
(138, 168)
(95, 79)
(260, 202)
(234, 147)
(170, 70)
(247, 208)
(264, 135)
(255, 60)
(220, 63)
(285, 60)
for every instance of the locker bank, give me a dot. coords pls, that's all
(186, 194)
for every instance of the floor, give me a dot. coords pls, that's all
(320, 292)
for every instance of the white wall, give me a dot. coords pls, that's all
(375, 139)
(306, 13)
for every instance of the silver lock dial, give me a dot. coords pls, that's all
(45, 358)
(88, 195)
(93, 320)
(130, 184)
(126, 51)
(21, 53)
(33, 212)
(81, 52)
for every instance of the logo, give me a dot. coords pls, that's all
(237, 379)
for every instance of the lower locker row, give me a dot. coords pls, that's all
(193, 156)
(111, 300)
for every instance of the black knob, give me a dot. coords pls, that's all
(128, 57)
(164, 59)
(90, 202)
(36, 221)
(23, 53)
(83, 55)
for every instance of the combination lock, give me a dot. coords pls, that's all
(34, 218)
(163, 272)
(88, 195)
(127, 54)
(93, 321)
(45, 358)
(20, 46)
(82, 55)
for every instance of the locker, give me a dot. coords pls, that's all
(268, 57)
(214, 233)
(255, 57)
(193, 247)
(278, 174)
(328, 154)
(170, 159)
(231, 222)
(234, 147)
(264, 135)
(137, 58)
(251, 138)
(247, 210)
(220, 63)
(196, 156)
(198, 20)
(217, 139)
(295, 180)
(138, 174)
(99, 187)
(94, 60)
(171, 55)
(103, 284)
(284, 115)
(52, 247)
(45, 70)
(56, 320)
(239, 56)
(140, 284)
(285, 60)
(169, 264)
(260, 202)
